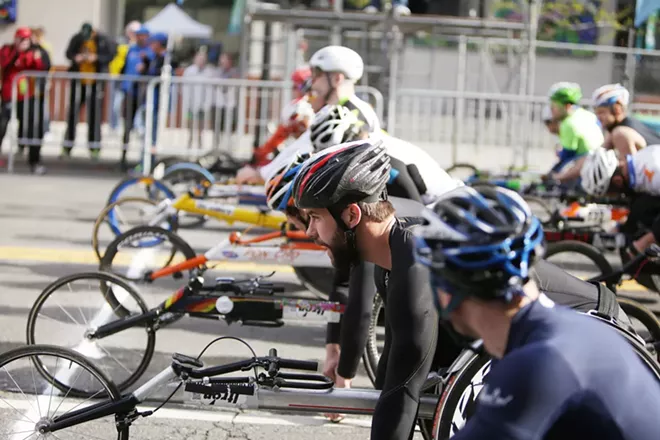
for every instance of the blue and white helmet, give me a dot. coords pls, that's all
(611, 94)
(479, 242)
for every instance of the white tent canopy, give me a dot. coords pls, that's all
(172, 20)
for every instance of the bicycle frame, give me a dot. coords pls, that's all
(219, 211)
(334, 401)
(247, 309)
(296, 253)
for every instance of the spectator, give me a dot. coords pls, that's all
(116, 67)
(38, 37)
(399, 7)
(158, 44)
(138, 58)
(225, 99)
(15, 58)
(89, 52)
(196, 97)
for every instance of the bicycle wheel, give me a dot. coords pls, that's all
(462, 171)
(318, 280)
(70, 308)
(33, 401)
(460, 397)
(539, 208)
(592, 258)
(651, 331)
(152, 188)
(129, 213)
(143, 254)
(371, 355)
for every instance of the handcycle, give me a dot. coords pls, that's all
(448, 398)
(310, 263)
(123, 311)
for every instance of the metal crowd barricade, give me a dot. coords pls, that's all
(487, 130)
(203, 115)
(54, 117)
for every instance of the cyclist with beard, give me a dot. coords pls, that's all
(625, 135)
(342, 191)
(558, 374)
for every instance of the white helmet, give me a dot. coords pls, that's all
(611, 94)
(339, 59)
(597, 171)
(333, 125)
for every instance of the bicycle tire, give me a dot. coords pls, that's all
(460, 165)
(371, 356)
(173, 222)
(117, 307)
(106, 264)
(453, 396)
(124, 184)
(585, 249)
(131, 181)
(158, 169)
(32, 351)
(643, 315)
(194, 168)
(318, 280)
(543, 204)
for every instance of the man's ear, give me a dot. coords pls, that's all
(352, 215)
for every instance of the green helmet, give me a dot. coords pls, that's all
(565, 93)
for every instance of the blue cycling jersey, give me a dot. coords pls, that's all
(565, 376)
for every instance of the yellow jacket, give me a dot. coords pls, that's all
(117, 64)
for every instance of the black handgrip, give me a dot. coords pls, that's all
(272, 366)
(265, 291)
(295, 364)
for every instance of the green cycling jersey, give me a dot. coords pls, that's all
(580, 132)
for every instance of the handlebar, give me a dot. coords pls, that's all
(192, 368)
(251, 286)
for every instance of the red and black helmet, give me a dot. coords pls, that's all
(347, 173)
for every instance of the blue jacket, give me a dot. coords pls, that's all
(134, 57)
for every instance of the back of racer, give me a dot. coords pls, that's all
(547, 386)
(579, 130)
(557, 374)
(637, 176)
(644, 170)
(625, 134)
(415, 174)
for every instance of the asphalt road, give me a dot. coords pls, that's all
(46, 224)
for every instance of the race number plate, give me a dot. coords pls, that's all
(218, 397)
(303, 310)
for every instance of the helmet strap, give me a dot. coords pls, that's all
(330, 88)
(335, 211)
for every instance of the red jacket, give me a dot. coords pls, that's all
(12, 63)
